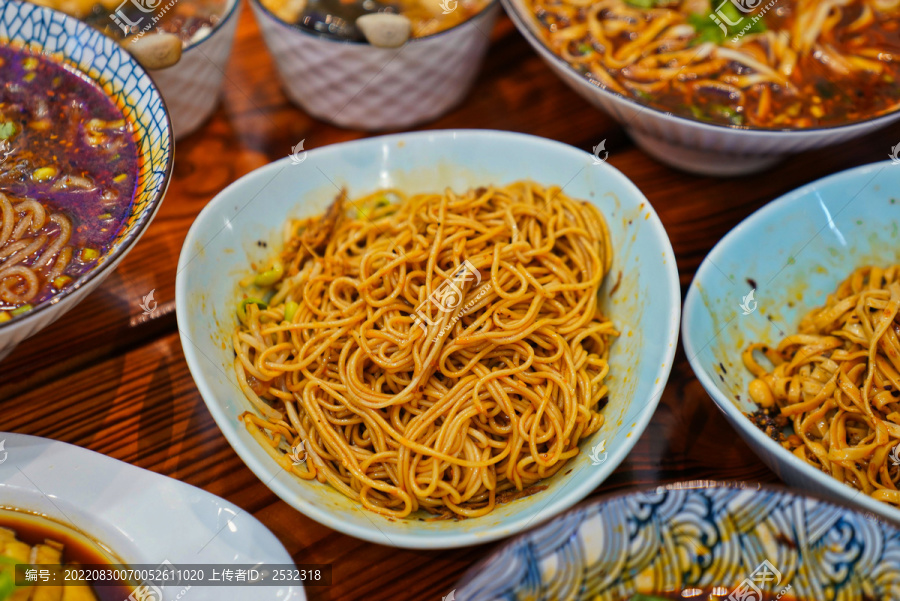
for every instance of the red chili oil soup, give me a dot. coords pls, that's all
(68, 172)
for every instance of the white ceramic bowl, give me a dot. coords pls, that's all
(191, 87)
(359, 86)
(88, 50)
(143, 517)
(224, 240)
(686, 143)
(795, 250)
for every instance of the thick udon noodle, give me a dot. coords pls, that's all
(817, 62)
(838, 383)
(488, 388)
(32, 252)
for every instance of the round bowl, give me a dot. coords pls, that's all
(66, 39)
(191, 87)
(683, 537)
(686, 143)
(229, 233)
(359, 86)
(793, 252)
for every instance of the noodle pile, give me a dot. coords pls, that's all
(32, 252)
(430, 351)
(838, 383)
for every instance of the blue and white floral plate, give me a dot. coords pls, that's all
(742, 539)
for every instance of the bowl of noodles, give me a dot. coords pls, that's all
(725, 87)
(791, 327)
(69, 213)
(430, 340)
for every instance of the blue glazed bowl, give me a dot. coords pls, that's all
(67, 40)
(692, 537)
(793, 252)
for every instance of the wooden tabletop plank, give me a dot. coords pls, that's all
(142, 407)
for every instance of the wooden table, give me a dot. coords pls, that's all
(107, 380)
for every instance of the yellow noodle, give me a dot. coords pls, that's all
(29, 255)
(412, 384)
(837, 383)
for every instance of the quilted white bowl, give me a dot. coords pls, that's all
(358, 86)
(225, 238)
(682, 142)
(191, 87)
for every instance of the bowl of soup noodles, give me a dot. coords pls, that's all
(725, 87)
(85, 158)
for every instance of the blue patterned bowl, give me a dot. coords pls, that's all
(68, 40)
(742, 539)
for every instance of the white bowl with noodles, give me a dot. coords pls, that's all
(793, 252)
(686, 143)
(244, 223)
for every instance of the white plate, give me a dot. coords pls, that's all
(145, 518)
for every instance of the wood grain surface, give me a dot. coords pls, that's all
(107, 379)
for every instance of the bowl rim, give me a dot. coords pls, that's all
(265, 469)
(697, 484)
(229, 14)
(522, 24)
(112, 259)
(693, 303)
(258, 5)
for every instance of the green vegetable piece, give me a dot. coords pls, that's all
(20, 310)
(7, 130)
(242, 308)
(271, 276)
(290, 309)
(642, 597)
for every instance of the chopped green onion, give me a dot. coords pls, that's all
(642, 597)
(585, 48)
(30, 63)
(104, 217)
(5, 316)
(7, 576)
(120, 178)
(726, 112)
(290, 309)
(61, 281)
(28, 77)
(267, 278)
(7, 130)
(242, 308)
(20, 310)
